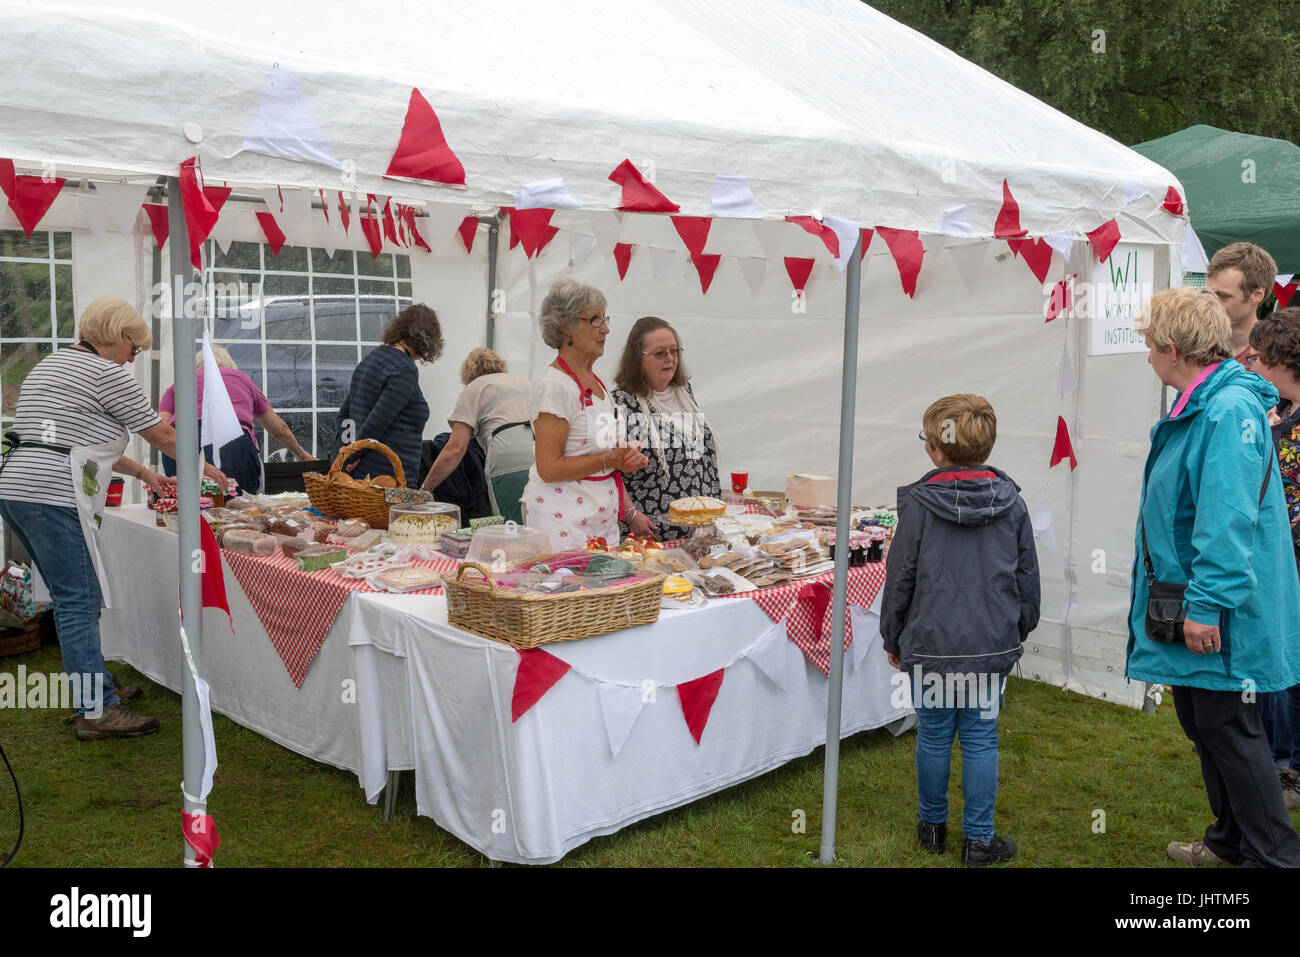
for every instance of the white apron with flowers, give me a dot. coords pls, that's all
(571, 512)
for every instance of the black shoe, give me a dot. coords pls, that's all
(933, 837)
(981, 854)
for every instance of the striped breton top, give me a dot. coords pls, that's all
(70, 398)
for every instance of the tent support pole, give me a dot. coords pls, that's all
(187, 494)
(494, 241)
(155, 324)
(843, 504)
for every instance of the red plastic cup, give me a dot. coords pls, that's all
(115, 487)
(739, 482)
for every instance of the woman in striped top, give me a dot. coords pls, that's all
(75, 412)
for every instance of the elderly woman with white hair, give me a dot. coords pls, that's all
(240, 457)
(493, 406)
(76, 412)
(575, 487)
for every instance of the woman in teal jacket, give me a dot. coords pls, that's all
(1215, 520)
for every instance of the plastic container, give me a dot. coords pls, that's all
(508, 544)
(422, 523)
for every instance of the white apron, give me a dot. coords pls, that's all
(92, 470)
(572, 512)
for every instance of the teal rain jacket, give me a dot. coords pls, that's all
(1204, 527)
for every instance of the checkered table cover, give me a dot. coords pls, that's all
(813, 638)
(297, 608)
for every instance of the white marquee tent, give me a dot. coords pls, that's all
(825, 107)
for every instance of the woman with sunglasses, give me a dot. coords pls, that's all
(76, 411)
(656, 407)
(575, 486)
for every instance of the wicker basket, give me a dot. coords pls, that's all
(526, 621)
(19, 641)
(347, 500)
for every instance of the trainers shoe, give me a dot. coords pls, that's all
(1290, 781)
(983, 853)
(1195, 853)
(933, 837)
(117, 721)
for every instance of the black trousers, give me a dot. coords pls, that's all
(1252, 826)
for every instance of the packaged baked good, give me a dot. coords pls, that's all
(287, 526)
(367, 540)
(292, 545)
(351, 528)
(246, 541)
(408, 579)
(321, 531)
(317, 557)
(422, 523)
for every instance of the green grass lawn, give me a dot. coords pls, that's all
(1063, 756)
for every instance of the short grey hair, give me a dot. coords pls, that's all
(565, 299)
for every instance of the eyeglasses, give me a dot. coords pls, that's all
(135, 350)
(1250, 360)
(663, 354)
(596, 322)
(922, 436)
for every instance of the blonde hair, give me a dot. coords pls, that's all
(220, 354)
(963, 427)
(108, 321)
(1192, 320)
(479, 362)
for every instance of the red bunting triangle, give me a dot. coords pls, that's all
(821, 231)
(1284, 293)
(706, 264)
(157, 213)
(468, 230)
(271, 229)
(422, 152)
(1008, 225)
(622, 257)
(200, 214)
(1060, 301)
(30, 197)
(639, 194)
(908, 252)
(697, 699)
(212, 578)
(324, 204)
(1174, 202)
(217, 196)
(1104, 238)
(799, 270)
(1037, 254)
(370, 227)
(1062, 449)
(408, 217)
(344, 216)
(538, 671)
(866, 241)
(533, 228)
(694, 231)
(390, 227)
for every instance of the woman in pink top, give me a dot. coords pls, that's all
(240, 458)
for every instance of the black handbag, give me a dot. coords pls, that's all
(1165, 611)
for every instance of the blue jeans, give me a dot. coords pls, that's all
(1280, 712)
(52, 536)
(936, 728)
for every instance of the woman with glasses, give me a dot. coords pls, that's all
(575, 487)
(656, 408)
(75, 415)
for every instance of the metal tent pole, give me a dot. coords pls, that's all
(187, 494)
(843, 503)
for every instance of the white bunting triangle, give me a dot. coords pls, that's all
(607, 228)
(1283, 278)
(284, 124)
(969, 259)
(95, 214)
(581, 246)
(954, 222)
(1043, 529)
(274, 201)
(732, 197)
(443, 221)
(847, 233)
(768, 654)
(1066, 382)
(223, 233)
(866, 629)
(620, 705)
(1133, 190)
(1062, 243)
(660, 261)
(771, 238)
(1193, 259)
(326, 238)
(124, 201)
(754, 268)
(294, 220)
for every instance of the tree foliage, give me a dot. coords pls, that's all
(1136, 69)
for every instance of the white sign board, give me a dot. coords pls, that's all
(1121, 287)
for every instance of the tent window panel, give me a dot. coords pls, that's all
(16, 360)
(403, 267)
(334, 368)
(342, 263)
(63, 313)
(248, 359)
(291, 259)
(301, 425)
(334, 303)
(381, 265)
(26, 297)
(327, 430)
(240, 256)
(14, 245)
(289, 375)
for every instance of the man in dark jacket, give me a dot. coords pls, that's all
(961, 593)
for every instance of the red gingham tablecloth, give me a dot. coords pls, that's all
(297, 608)
(814, 638)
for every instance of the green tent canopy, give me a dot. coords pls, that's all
(1240, 188)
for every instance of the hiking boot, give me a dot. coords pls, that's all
(1194, 853)
(933, 837)
(126, 692)
(1290, 781)
(117, 721)
(983, 853)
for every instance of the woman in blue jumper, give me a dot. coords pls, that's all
(384, 402)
